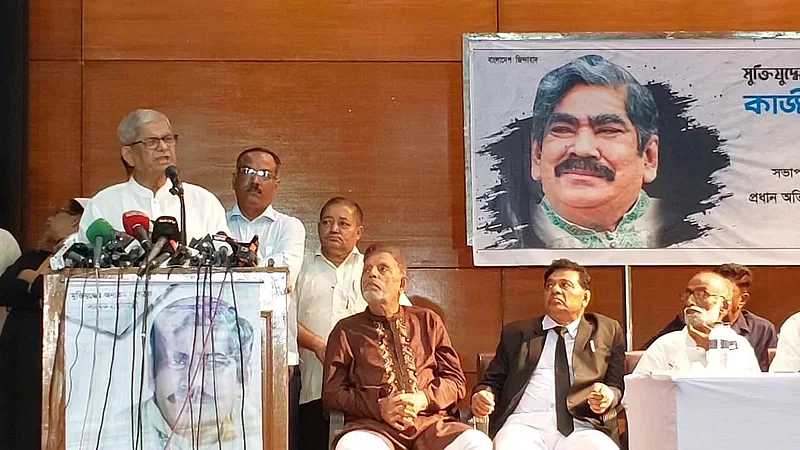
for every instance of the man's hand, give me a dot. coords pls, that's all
(416, 403)
(600, 398)
(318, 348)
(482, 403)
(28, 275)
(700, 336)
(395, 412)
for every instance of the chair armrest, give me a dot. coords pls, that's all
(336, 424)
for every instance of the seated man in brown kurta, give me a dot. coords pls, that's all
(393, 371)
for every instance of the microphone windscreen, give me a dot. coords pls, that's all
(100, 228)
(166, 227)
(171, 172)
(132, 219)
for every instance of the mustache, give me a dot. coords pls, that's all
(585, 164)
(253, 188)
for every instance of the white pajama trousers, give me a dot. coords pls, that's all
(368, 440)
(518, 436)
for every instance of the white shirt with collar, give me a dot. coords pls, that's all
(537, 407)
(327, 294)
(281, 238)
(787, 355)
(677, 351)
(204, 213)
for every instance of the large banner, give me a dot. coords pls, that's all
(614, 150)
(171, 365)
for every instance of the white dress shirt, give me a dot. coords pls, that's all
(787, 356)
(327, 294)
(9, 254)
(537, 407)
(281, 238)
(204, 213)
(677, 351)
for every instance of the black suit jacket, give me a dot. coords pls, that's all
(517, 355)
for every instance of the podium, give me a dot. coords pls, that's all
(677, 412)
(185, 358)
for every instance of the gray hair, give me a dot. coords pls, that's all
(129, 128)
(594, 70)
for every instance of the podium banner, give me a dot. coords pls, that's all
(172, 363)
(641, 150)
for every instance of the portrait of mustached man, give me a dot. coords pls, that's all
(594, 144)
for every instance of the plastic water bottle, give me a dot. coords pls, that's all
(717, 354)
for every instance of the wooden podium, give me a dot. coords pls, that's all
(172, 358)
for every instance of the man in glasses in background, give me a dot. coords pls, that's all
(281, 240)
(148, 145)
(707, 300)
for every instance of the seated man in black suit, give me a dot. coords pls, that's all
(556, 380)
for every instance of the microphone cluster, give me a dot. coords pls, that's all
(148, 245)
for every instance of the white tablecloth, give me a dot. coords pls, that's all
(743, 412)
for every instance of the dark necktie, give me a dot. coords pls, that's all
(563, 417)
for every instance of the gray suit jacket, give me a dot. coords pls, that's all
(518, 353)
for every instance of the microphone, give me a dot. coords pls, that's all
(137, 224)
(57, 261)
(172, 173)
(165, 229)
(99, 233)
(177, 189)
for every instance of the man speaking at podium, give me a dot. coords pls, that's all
(148, 147)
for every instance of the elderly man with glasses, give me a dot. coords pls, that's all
(707, 299)
(148, 145)
(281, 240)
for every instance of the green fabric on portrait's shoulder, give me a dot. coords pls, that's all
(627, 235)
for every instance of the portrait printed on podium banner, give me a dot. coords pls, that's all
(181, 373)
(618, 149)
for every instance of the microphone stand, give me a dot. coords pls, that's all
(178, 190)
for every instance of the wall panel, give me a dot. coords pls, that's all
(54, 28)
(647, 16)
(395, 30)
(54, 141)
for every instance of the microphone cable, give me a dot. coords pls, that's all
(241, 353)
(94, 352)
(111, 366)
(144, 350)
(77, 335)
(133, 364)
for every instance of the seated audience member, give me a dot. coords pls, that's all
(21, 290)
(556, 380)
(787, 356)
(759, 331)
(328, 289)
(707, 298)
(393, 371)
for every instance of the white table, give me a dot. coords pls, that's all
(704, 412)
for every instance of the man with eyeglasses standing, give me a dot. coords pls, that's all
(148, 145)
(281, 240)
(707, 300)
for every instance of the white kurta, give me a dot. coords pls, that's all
(677, 351)
(787, 356)
(204, 213)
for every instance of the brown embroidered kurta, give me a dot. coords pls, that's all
(370, 357)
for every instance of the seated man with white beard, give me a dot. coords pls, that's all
(707, 299)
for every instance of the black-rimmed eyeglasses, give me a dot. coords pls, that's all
(153, 142)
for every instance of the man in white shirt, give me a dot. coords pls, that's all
(328, 290)
(556, 381)
(281, 240)
(148, 146)
(787, 355)
(9, 253)
(707, 299)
